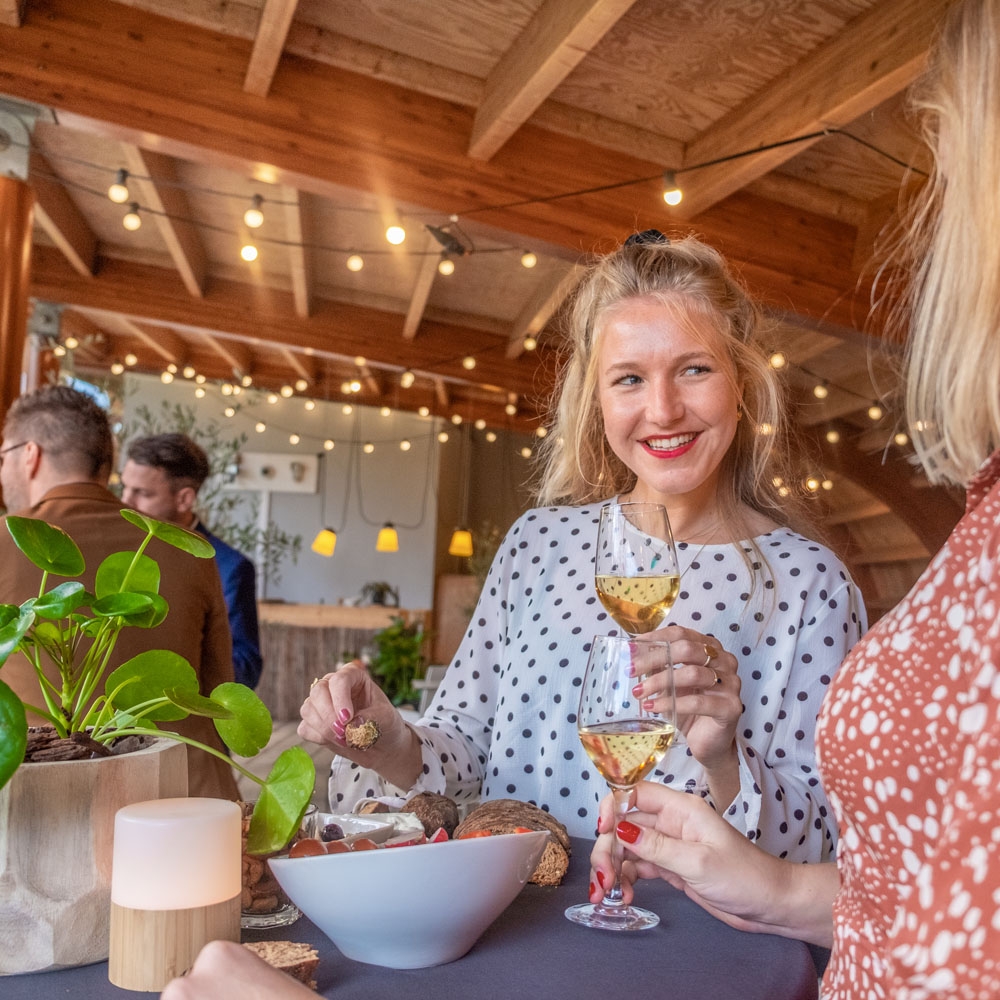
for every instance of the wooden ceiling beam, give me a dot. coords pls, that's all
(297, 214)
(11, 12)
(275, 20)
(125, 73)
(238, 356)
(426, 274)
(877, 55)
(303, 366)
(541, 307)
(164, 343)
(861, 511)
(259, 315)
(441, 393)
(163, 195)
(59, 217)
(560, 34)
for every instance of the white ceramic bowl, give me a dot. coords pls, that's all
(411, 907)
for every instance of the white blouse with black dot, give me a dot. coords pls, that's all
(503, 721)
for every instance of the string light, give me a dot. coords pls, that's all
(188, 372)
(525, 452)
(541, 432)
(272, 398)
(902, 439)
(347, 409)
(166, 377)
(875, 412)
(200, 379)
(253, 216)
(131, 359)
(118, 191)
(820, 390)
(529, 343)
(230, 411)
(226, 389)
(777, 360)
(491, 436)
(248, 252)
(443, 437)
(301, 384)
(246, 381)
(407, 379)
(260, 427)
(360, 360)
(287, 391)
(480, 424)
(404, 445)
(199, 392)
(468, 363)
(510, 409)
(172, 368)
(131, 220)
(528, 259)
(237, 389)
(423, 411)
(355, 385)
(310, 404)
(294, 439)
(368, 447)
(456, 419)
(329, 444)
(59, 351)
(812, 484)
(827, 484)
(672, 194)
(446, 265)
(385, 411)
(117, 368)
(355, 262)
(395, 235)
(833, 436)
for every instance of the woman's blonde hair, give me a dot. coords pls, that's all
(952, 394)
(578, 463)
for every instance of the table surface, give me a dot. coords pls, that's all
(532, 950)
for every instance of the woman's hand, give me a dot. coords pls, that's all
(708, 705)
(679, 838)
(224, 970)
(337, 698)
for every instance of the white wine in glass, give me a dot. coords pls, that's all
(625, 741)
(635, 569)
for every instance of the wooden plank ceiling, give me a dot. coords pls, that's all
(499, 134)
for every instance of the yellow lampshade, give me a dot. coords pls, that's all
(461, 543)
(388, 540)
(325, 542)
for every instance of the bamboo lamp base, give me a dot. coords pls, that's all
(148, 948)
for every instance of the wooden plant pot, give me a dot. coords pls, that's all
(57, 824)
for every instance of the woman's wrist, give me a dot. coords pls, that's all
(800, 901)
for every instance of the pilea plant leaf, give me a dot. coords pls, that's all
(60, 601)
(14, 631)
(117, 605)
(172, 534)
(248, 730)
(282, 802)
(13, 733)
(47, 546)
(111, 574)
(146, 677)
(197, 704)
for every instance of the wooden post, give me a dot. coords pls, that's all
(17, 202)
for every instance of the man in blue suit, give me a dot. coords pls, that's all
(161, 478)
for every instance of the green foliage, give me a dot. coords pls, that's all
(227, 513)
(398, 660)
(380, 592)
(153, 687)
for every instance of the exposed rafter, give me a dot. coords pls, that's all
(548, 297)
(275, 20)
(61, 219)
(422, 287)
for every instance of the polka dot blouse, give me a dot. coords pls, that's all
(503, 721)
(909, 742)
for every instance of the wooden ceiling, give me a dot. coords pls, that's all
(512, 125)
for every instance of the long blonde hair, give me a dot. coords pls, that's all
(578, 463)
(953, 388)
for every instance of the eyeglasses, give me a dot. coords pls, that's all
(13, 447)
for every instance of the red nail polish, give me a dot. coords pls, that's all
(628, 832)
(344, 714)
(637, 691)
(593, 888)
(600, 879)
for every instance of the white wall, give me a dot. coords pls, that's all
(387, 485)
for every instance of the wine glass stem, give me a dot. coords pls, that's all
(613, 897)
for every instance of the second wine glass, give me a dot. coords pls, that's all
(625, 740)
(635, 570)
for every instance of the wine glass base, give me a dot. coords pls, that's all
(612, 918)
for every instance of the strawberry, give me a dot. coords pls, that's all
(438, 836)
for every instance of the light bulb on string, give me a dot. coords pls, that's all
(199, 392)
(117, 368)
(672, 194)
(272, 398)
(172, 368)
(118, 191)
(901, 438)
(166, 377)
(832, 436)
(301, 385)
(368, 448)
(226, 389)
(529, 343)
(443, 437)
(246, 381)
(407, 379)
(329, 444)
(131, 359)
(405, 445)
(355, 262)
(131, 220)
(189, 372)
(480, 424)
(229, 411)
(874, 412)
(260, 427)
(528, 259)
(446, 265)
(253, 216)
(510, 409)
(777, 360)
(820, 390)
(294, 439)
(525, 452)
(541, 432)
(248, 252)
(423, 411)
(468, 363)
(287, 391)
(310, 404)
(385, 411)
(360, 361)
(491, 436)
(200, 379)
(827, 484)
(456, 419)
(395, 235)
(347, 409)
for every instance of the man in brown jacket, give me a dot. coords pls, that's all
(56, 453)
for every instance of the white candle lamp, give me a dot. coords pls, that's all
(175, 885)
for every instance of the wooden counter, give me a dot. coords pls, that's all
(300, 642)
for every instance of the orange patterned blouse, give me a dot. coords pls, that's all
(909, 748)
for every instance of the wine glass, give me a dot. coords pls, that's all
(625, 741)
(636, 570)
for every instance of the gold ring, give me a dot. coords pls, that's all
(718, 679)
(710, 654)
(314, 683)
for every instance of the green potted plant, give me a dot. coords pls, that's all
(54, 917)
(398, 659)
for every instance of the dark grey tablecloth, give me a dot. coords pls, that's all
(531, 950)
